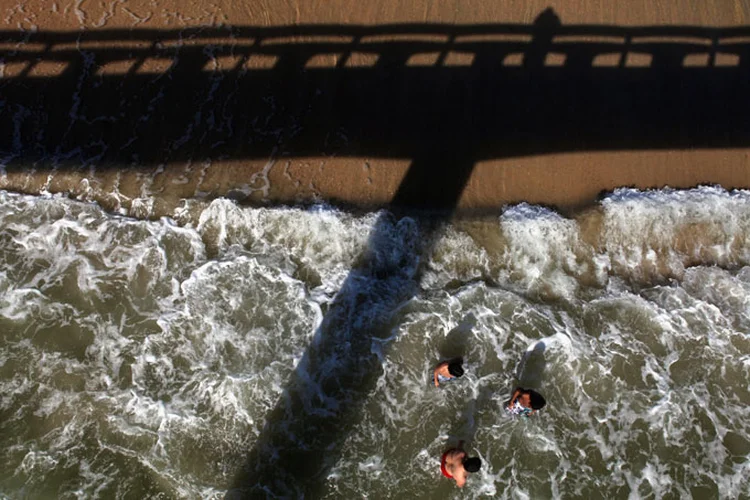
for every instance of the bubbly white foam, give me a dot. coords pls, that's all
(146, 356)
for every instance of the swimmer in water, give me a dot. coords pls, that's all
(456, 464)
(524, 402)
(447, 370)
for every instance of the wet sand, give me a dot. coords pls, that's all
(567, 164)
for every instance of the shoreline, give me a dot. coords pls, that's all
(568, 183)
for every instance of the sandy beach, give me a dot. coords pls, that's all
(481, 104)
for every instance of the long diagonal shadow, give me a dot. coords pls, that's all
(302, 435)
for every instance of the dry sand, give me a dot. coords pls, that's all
(569, 174)
(89, 14)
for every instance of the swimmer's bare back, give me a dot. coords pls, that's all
(441, 371)
(452, 463)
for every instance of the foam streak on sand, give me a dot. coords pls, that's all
(142, 358)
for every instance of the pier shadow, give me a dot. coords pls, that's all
(445, 97)
(304, 433)
(442, 96)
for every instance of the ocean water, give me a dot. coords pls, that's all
(245, 352)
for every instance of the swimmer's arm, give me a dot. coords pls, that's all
(513, 398)
(436, 371)
(460, 480)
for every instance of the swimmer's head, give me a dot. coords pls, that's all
(455, 368)
(537, 400)
(472, 464)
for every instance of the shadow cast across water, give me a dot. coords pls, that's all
(531, 368)
(455, 345)
(303, 435)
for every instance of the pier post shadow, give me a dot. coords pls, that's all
(303, 434)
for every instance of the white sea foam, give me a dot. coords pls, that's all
(541, 249)
(146, 356)
(644, 230)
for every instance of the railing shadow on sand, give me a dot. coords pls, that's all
(442, 96)
(155, 97)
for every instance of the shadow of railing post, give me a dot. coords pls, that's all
(301, 439)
